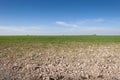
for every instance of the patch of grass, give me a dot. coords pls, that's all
(58, 39)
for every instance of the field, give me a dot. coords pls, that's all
(60, 57)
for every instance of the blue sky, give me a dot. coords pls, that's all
(58, 17)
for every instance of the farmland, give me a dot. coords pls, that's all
(59, 57)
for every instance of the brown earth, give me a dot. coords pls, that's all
(92, 62)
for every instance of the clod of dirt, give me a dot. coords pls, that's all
(51, 78)
(100, 76)
(83, 77)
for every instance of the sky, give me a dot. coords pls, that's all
(59, 17)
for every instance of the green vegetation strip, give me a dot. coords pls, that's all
(59, 39)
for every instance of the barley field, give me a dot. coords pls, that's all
(60, 57)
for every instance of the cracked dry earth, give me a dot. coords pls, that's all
(93, 62)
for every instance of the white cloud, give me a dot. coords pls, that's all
(91, 26)
(61, 23)
(23, 30)
(39, 30)
(66, 24)
(84, 22)
(83, 27)
(93, 30)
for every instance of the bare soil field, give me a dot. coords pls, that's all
(68, 61)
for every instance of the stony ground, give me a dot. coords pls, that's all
(91, 62)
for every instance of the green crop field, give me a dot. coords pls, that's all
(59, 57)
(59, 39)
